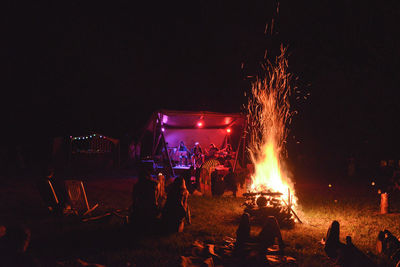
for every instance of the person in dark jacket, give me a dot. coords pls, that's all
(230, 182)
(144, 209)
(344, 255)
(176, 209)
(243, 231)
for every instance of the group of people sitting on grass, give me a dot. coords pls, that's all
(346, 254)
(269, 235)
(341, 254)
(153, 208)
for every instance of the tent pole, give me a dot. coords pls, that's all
(154, 134)
(166, 151)
(237, 155)
(155, 147)
(242, 138)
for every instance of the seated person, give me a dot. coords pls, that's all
(187, 176)
(267, 237)
(228, 151)
(183, 153)
(176, 209)
(197, 155)
(243, 231)
(270, 233)
(343, 254)
(213, 150)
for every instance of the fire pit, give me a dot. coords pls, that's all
(260, 205)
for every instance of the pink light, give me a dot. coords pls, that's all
(164, 119)
(228, 130)
(163, 129)
(199, 124)
(227, 120)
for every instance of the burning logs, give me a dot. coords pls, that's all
(253, 194)
(261, 205)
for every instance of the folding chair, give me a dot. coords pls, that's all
(77, 196)
(48, 194)
(53, 192)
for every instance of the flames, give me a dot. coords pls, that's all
(268, 116)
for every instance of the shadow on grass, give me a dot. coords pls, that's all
(102, 239)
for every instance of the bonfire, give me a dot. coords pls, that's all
(268, 117)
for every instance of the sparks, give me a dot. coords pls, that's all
(268, 116)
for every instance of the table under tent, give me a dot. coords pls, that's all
(168, 129)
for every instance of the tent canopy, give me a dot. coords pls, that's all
(204, 127)
(167, 128)
(191, 119)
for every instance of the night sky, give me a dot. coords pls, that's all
(72, 67)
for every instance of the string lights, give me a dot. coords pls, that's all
(86, 137)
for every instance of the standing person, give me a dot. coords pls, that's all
(144, 209)
(132, 153)
(187, 176)
(183, 153)
(217, 183)
(230, 182)
(197, 155)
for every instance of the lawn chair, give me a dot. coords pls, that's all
(205, 175)
(77, 196)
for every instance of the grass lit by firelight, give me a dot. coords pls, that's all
(213, 219)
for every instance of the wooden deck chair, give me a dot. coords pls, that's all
(77, 196)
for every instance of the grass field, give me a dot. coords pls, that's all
(109, 242)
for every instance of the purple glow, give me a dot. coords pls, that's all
(163, 129)
(190, 136)
(165, 119)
